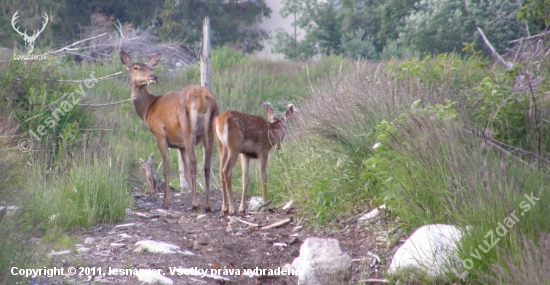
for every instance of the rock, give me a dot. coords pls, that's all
(64, 252)
(83, 249)
(431, 248)
(322, 261)
(126, 225)
(168, 214)
(153, 277)
(89, 240)
(156, 246)
(159, 247)
(202, 216)
(116, 244)
(373, 213)
(125, 236)
(254, 203)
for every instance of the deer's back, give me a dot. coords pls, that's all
(178, 113)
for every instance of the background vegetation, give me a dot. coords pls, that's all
(444, 137)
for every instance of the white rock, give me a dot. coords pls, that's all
(89, 240)
(116, 244)
(159, 247)
(126, 225)
(432, 248)
(83, 249)
(254, 203)
(322, 261)
(153, 277)
(373, 213)
(125, 236)
(64, 252)
(170, 214)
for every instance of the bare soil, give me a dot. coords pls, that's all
(218, 242)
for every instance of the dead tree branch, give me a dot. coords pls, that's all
(507, 64)
(83, 80)
(104, 105)
(504, 148)
(74, 44)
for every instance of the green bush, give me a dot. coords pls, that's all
(93, 190)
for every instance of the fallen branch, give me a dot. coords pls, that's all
(383, 281)
(73, 44)
(502, 148)
(507, 64)
(103, 105)
(245, 222)
(83, 80)
(276, 224)
(264, 205)
(531, 37)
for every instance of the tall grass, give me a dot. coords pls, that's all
(91, 189)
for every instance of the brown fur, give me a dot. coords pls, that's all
(252, 137)
(170, 117)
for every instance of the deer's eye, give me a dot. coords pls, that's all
(136, 68)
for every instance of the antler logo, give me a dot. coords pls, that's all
(29, 41)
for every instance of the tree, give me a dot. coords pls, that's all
(443, 25)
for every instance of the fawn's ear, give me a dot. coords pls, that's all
(290, 111)
(154, 60)
(269, 112)
(125, 59)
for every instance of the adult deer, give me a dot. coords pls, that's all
(178, 119)
(252, 137)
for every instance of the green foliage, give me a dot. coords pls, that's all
(93, 190)
(230, 22)
(320, 177)
(353, 46)
(46, 111)
(442, 26)
(536, 12)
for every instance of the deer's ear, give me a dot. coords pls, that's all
(269, 112)
(154, 60)
(290, 111)
(125, 59)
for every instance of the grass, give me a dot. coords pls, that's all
(363, 134)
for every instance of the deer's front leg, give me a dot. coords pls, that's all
(245, 162)
(163, 147)
(262, 164)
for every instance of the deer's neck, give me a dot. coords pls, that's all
(142, 100)
(276, 132)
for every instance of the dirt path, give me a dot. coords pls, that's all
(226, 245)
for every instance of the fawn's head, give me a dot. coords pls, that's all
(141, 73)
(278, 123)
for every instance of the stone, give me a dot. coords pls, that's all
(322, 261)
(153, 277)
(254, 203)
(156, 247)
(431, 248)
(159, 247)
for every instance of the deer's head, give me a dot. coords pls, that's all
(141, 74)
(278, 123)
(29, 40)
